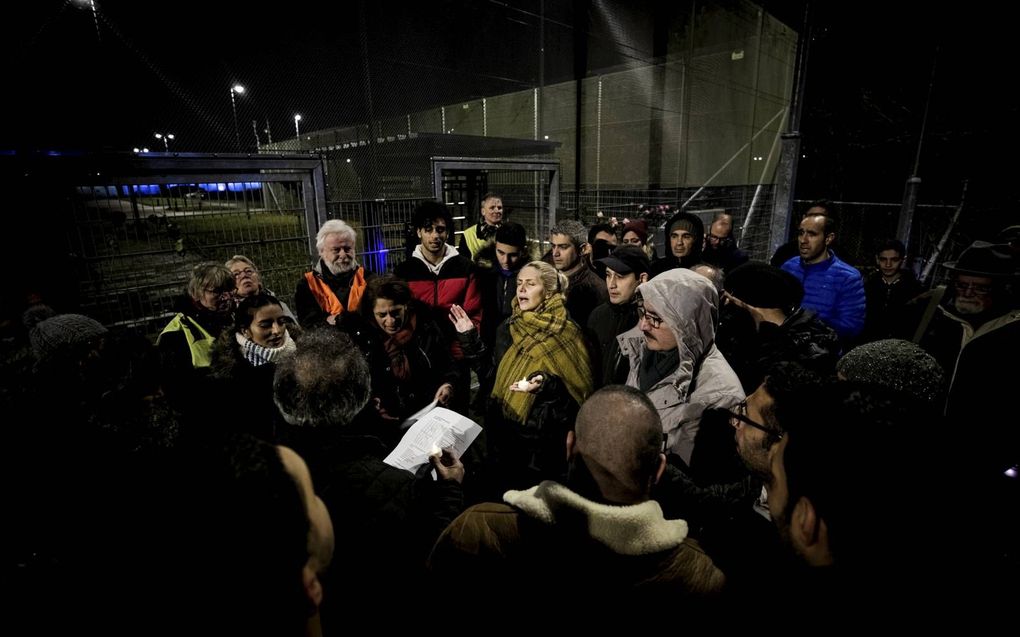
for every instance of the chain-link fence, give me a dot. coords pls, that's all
(940, 234)
(750, 207)
(130, 232)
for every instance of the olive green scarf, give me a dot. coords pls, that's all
(545, 341)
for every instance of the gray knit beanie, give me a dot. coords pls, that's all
(62, 333)
(897, 364)
(36, 315)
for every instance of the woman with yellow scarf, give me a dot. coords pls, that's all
(543, 374)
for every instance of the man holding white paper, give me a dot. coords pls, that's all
(385, 518)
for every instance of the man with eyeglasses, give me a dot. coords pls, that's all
(721, 246)
(723, 493)
(972, 328)
(864, 521)
(673, 357)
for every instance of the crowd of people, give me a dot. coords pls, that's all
(693, 428)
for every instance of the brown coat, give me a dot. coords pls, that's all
(552, 543)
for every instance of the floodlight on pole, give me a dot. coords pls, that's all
(236, 89)
(166, 140)
(297, 126)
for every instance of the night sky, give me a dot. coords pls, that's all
(869, 69)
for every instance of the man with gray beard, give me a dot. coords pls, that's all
(972, 328)
(336, 282)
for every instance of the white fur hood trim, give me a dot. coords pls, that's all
(637, 529)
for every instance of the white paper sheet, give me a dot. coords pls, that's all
(415, 417)
(439, 428)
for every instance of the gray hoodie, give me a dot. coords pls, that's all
(689, 305)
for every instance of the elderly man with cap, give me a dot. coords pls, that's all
(972, 328)
(626, 268)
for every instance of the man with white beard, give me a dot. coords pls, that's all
(336, 282)
(972, 328)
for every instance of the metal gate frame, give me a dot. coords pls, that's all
(166, 169)
(57, 171)
(552, 166)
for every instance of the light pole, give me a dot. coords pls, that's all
(297, 129)
(166, 140)
(238, 89)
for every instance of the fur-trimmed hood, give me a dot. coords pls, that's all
(637, 529)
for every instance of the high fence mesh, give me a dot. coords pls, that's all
(940, 235)
(128, 235)
(750, 206)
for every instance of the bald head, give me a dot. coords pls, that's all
(618, 434)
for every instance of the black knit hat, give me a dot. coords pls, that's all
(765, 286)
(62, 334)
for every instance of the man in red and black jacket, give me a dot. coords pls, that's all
(437, 273)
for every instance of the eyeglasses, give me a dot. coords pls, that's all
(219, 293)
(653, 320)
(976, 290)
(741, 415)
(245, 272)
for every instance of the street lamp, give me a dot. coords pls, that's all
(297, 127)
(238, 89)
(166, 140)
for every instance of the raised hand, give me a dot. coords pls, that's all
(460, 319)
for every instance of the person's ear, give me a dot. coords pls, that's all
(571, 440)
(313, 587)
(829, 238)
(585, 248)
(643, 277)
(661, 469)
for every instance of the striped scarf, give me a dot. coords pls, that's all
(545, 341)
(258, 355)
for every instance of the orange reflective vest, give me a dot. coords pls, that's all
(327, 300)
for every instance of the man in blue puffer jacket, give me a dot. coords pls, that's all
(832, 288)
